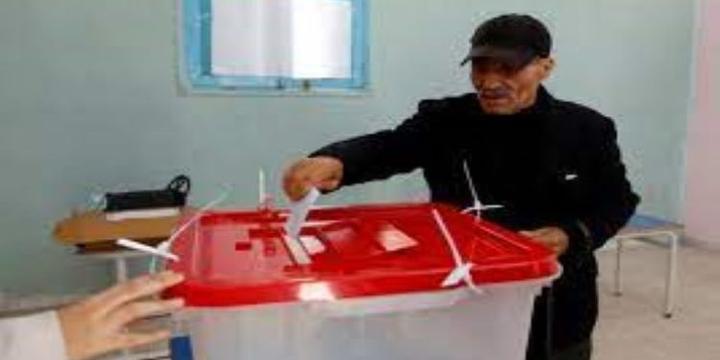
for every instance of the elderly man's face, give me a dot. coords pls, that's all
(505, 90)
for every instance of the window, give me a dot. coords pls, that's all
(283, 45)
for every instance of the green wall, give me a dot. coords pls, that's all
(89, 102)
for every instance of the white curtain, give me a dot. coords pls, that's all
(306, 39)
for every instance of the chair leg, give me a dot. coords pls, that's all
(618, 267)
(121, 269)
(671, 275)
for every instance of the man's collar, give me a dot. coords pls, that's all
(543, 101)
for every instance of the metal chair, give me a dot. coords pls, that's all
(655, 231)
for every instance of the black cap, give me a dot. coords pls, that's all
(513, 38)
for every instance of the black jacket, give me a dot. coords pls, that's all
(555, 164)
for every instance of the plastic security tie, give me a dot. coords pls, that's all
(478, 206)
(461, 272)
(166, 245)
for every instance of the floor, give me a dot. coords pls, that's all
(632, 327)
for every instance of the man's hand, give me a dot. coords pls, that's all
(324, 173)
(553, 237)
(97, 325)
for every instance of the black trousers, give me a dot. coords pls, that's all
(540, 343)
(581, 351)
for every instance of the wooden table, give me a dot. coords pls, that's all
(94, 236)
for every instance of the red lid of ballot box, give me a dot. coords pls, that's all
(235, 258)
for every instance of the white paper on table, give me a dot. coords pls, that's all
(116, 216)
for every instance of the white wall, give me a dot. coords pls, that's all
(702, 193)
(89, 102)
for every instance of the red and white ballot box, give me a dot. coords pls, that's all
(362, 282)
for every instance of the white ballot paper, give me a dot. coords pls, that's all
(298, 213)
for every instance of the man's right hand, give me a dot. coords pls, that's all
(323, 172)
